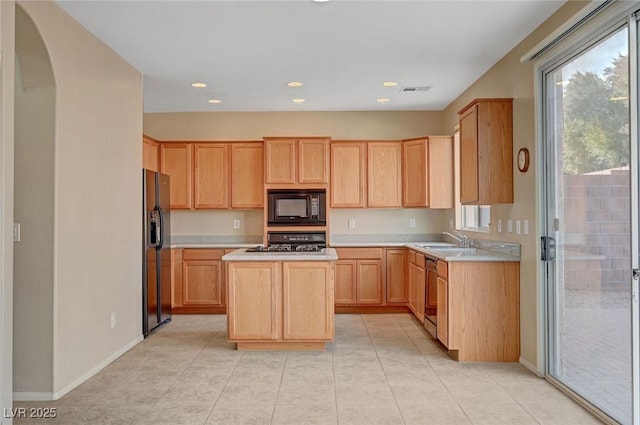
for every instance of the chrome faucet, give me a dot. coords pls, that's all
(459, 237)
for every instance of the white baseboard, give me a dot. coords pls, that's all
(530, 366)
(27, 396)
(33, 396)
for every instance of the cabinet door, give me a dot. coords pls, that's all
(201, 282)
(150, 154)
(307, 300)
(253, 298)
(384, 160)
(247, 175)
(396, 276)
(443, 312)
(369, 282)
(420, 292)
(414, 182)
(440, 172)
(176, 161)
(346, 276)
(469, 156)
(313, 161)
(280, 160)
(348, 175)
(412, 287)
(211, 177)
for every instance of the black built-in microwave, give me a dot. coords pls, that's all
(299, 207)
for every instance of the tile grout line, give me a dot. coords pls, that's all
(275, 404)
(383, 371)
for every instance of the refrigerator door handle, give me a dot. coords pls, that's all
(160, 225)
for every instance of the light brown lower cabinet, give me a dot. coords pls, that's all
(396, 269)
(417, 277)
(479, 310)
(198, 277)
(280, 305)
(359, 276)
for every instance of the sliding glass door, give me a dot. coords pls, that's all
(590, 218)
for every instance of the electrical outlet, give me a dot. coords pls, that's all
(499, 226)
(412, 223)
(113, 320)
(518, 227)
(352, 224)
(236, 224)
(510, 226)
(16, 232)
(525, 225)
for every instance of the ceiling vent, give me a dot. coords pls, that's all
(414, 89)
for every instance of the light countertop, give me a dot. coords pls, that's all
(328, 254)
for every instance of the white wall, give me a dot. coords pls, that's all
(97, 246)
(7, 33)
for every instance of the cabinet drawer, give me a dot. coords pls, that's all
(442, 269)
(419, 260)
(359, 253)
(202, 254)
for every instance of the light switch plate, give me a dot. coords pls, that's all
(525, 225)
(510, 226)
(499, 226)
(16, 232)
(518, 227)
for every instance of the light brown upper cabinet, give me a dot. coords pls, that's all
(247, 175)
(486, 152)
(293, 161)
(428, 172)
(214, 175)
(348, 174)
(384, 172)
(150, 153)
(211, 175)
(176, 160)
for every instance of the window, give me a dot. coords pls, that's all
(475, 218)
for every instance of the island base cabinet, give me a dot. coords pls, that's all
(252, 309)
(280, 305)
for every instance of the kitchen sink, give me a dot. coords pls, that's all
(453, 251)
(438, 245)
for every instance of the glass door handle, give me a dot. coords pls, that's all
(547, 248)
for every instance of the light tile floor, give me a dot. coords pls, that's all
(381, 369)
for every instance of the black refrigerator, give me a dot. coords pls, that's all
(156, 249)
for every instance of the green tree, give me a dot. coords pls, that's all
(596, 129)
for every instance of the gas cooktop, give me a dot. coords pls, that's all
(287, 248)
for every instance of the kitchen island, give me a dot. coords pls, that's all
(280, 300)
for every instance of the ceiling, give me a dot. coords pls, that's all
(342, 50)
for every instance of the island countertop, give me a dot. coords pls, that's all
(328, 254)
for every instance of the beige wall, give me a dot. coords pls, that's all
(233, 126)
(510, 78)
(7, 33)
(97, 207)
(256, 125)
(34, 189)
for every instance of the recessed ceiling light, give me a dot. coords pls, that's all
(383, 99)
(215, 101)
(298, 100)
(294, 84)
(320, 1)
(198, 85)
(389, 83)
